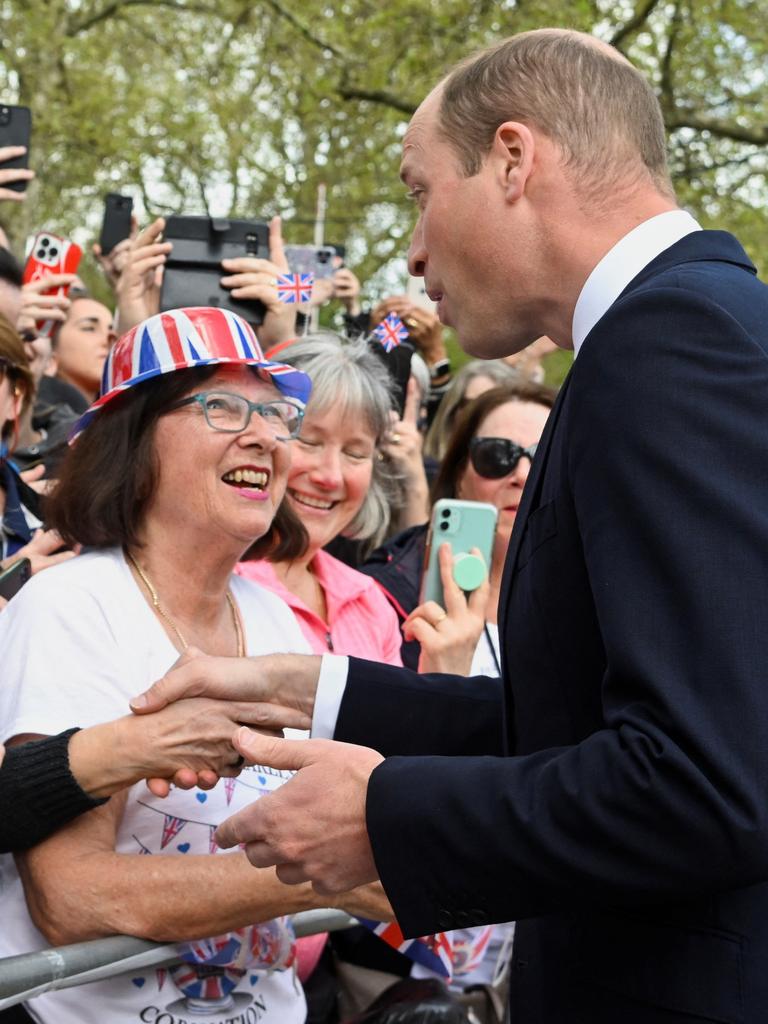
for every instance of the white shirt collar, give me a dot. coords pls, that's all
(624, 262)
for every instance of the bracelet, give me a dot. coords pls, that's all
(440, 368)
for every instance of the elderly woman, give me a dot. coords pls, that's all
(179, 469)
(487, 458)
(337, 486)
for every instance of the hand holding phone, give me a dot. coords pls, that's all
(466, 525)
(15, 134)
(50, 257)
(14, 577)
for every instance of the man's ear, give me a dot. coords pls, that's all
(514, 145)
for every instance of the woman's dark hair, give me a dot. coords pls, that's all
(109, 475)
(468, 423)
(15, 367)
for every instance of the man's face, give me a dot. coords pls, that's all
(468, 243)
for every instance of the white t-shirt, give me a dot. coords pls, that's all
(77, 642)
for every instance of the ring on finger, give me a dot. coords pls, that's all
(394, 438)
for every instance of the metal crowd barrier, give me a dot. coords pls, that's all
(30, 974)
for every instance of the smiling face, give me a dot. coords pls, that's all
(224, 487)
(330, 472)
(82, 345)
(523, 423)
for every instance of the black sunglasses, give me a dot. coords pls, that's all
(495, 457)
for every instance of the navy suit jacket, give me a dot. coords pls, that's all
(610, 793)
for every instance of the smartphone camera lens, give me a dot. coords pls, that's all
(445, 513)
(53, 253)
(443, 525)
(40, 253)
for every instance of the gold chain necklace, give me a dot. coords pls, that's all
(166, 617)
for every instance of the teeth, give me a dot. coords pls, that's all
(253, 477)
(305, 499)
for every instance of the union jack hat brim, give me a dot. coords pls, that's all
(181, 339)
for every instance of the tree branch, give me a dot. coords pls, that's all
(717, 127)
(635, 22)
(386, 99)
(117, 6)
(306, 32)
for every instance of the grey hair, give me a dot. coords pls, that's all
(347, 373)
(439, 432)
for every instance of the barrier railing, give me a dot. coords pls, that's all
(30, 974)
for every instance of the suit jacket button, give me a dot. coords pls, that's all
(478, 916)
(463, 919)
(445, 920)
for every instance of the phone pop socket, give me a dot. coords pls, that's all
(469, 571)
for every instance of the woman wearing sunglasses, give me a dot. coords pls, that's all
(487, 458)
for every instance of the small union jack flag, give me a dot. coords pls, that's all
(432, 951)
(391, 331)
(295, 287)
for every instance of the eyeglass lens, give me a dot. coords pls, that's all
(233, 412)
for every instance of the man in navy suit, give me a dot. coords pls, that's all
(622, 815)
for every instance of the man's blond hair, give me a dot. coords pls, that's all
(587, 98)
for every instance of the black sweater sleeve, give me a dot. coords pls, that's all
(38, 792)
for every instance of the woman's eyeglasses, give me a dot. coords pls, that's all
(495, 457)
(232, 413)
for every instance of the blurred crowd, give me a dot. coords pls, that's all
(164, 502)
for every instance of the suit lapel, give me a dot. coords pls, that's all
(532, 486)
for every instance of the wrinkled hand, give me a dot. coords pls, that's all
(256, 279)
(114, 262)
(138, 287)
(346, 288)
(38, 307)
(188, 743)
(281, 686)
(44, 550)
(449, 636)
(366, 901)
(313, 827)
(10, 175)
(322, 291)
(424, 329)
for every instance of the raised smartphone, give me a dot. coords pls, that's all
(51, 254)
(319, 260)
(116, 225)
(15, 130)
(464, 525)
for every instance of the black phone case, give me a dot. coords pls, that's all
(116, 225)
(398, 364)
(14, 578)
(16, 130)
(193, 270)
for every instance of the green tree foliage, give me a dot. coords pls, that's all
(244, 106)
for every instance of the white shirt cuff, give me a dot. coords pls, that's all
(334, 669)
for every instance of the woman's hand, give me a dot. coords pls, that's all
(43, 551)
(9, 175)
(256, 279)
(114, 262)
(138, 286)
(449, 636)
(36, 307)
(403, 446)
(346, 288)
(424, 329)
(366, 901)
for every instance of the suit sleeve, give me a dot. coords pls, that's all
(397, 711)
(668, 460)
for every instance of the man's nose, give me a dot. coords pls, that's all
(417, 256)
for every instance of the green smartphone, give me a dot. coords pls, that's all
(464, 525)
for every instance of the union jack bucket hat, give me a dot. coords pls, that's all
(183, 338)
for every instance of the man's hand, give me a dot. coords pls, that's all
(274, 682)
(313, 827)
(251, 278)
(138, 287)
(9, 175)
